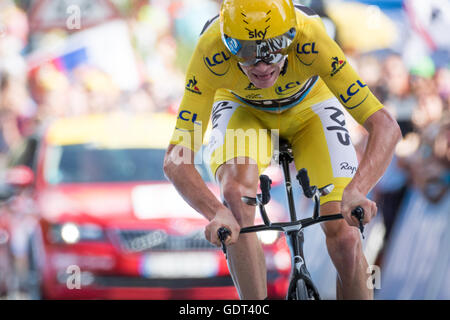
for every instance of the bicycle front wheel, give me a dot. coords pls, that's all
(301, 291)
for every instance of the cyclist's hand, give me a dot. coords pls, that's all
(223, 218)
(352, 198)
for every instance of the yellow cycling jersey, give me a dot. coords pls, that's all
(315, 70)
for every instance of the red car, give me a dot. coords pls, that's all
(110, 226)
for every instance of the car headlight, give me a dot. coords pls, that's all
(71, 233)
(268, 237)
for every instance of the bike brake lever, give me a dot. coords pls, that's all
(303, 179)
(358, 212)
(265, 186)
(223, 234)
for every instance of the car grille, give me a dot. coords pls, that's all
(143, 240)
(179, 283)
(123, 281)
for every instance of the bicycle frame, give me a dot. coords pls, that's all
(293, 230)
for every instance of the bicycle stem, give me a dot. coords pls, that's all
(284, 161)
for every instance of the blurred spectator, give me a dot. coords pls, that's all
(142, 101)
(158, 49)
(399, 99)
(419, 99)
(167, 81)
(102, 92)
(9, 130)
(429, 109)
(16, 109)
(53, 87)
(442, 80)
(13, 38)
(371, 71)
(429, 165)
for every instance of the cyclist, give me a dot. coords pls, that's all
(270, 65)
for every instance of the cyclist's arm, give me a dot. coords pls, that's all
(384, 134)
(189, 183)
(187, 139)
(364, 107)
(340, 77)
(359, 101)
(193, 189)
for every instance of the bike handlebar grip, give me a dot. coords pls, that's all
(358, 212)
(223, 233)
(265, 184)
(302, 177)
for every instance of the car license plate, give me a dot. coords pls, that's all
(179, 265)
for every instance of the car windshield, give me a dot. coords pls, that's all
(87, 163)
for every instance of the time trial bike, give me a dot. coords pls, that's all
(301, 286)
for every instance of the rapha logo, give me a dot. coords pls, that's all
(347, 166)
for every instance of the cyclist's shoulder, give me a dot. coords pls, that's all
(210, 38)
(210, 50)
(305, 12)
(309, 23)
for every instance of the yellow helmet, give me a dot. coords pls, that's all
(256, 31)
(256, 20)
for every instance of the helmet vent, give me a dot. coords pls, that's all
(244, 16)
(267, 13)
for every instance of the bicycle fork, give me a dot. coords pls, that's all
(295, 239)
